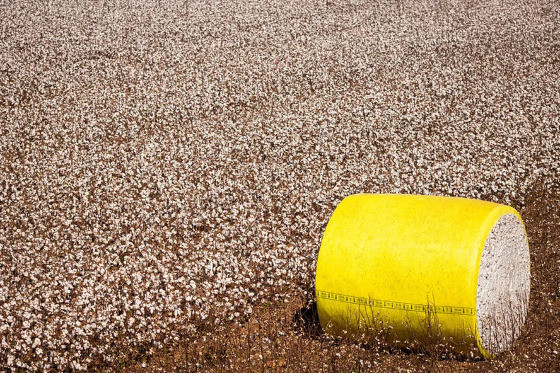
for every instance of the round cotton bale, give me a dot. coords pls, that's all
(424, 269)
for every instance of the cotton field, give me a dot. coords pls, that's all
(166, 164)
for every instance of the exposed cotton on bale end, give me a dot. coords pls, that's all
(422, 267)
(503, 285)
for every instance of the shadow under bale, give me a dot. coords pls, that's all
(306, 320)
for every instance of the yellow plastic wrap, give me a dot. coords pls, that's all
(408, 261)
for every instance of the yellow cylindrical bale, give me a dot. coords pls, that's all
(421, 267)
